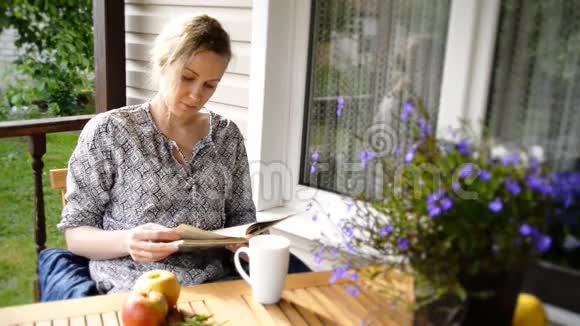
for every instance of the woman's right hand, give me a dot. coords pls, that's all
(151, 242)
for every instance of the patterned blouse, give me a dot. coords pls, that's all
(122, 174)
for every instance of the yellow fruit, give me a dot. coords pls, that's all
(529, 311)
(160, 281)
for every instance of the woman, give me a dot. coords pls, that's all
(141, 170)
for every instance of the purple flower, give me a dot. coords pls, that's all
(434, 197)
(495, 205)
(434, 210)
(407, 110)
(543, 243)
(385, 230)
(354, 276)
(334, 252)
(349, 248)
(424, 128)
(397, 151)
(446, 204)
(348, 232)
(510, 159)
(403, 244)
(456, 186)
(314, 156)
(339, 106)
(349, 206)
(312, 167)
(512, 186)
(410, 156)
(314, 217)
(505, 160)
(525, 230)
(318, 257)
(484, 175)
(351, 290)
(337, 274)
(463, 147)
(366, 155)
(466, 170)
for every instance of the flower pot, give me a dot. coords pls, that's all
(449, 310)
(554, 284)
(491, 300)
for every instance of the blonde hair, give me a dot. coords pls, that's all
(183, 37)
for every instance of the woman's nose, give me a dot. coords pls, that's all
(195, 92)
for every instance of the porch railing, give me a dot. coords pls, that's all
(36, 131)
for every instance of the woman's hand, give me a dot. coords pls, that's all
(151, 242)
(234, 247)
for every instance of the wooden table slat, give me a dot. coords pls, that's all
(348, 301)
(391, 313)
(77, 321)
(94, 320)
(199, 308)
(119, 318)
(110, 319)
(60, 322)
(309, 310)
(230, 309)
(259, 311)
(43, 323)
(293, 315)
(277, 315)
(329, 304)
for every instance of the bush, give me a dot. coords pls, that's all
(55, 64)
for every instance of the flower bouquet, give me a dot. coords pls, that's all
(462, 216)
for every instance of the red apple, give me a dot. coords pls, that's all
(144, 309)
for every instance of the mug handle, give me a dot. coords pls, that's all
(239, 265)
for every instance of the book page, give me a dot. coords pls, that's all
(190, 232)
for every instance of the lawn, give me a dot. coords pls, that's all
(17, 256)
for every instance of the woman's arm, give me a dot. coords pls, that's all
(145, 243)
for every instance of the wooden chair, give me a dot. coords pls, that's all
(57, 181)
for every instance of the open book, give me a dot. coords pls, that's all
(194, 238)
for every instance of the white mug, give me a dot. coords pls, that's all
(269, 256)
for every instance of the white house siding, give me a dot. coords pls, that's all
(144, 19)
(8, 53)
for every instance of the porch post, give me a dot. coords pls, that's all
(109, 37)
(37, 148)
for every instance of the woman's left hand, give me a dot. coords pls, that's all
(235, 247)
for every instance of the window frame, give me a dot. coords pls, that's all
(466, 82)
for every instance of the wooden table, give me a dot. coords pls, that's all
(308, 299)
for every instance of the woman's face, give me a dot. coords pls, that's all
(196, 83)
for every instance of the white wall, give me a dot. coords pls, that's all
(8, 53)
(144, 20)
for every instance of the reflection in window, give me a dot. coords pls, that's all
(366, 58)
(535, 95)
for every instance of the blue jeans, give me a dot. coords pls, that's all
(64, 275)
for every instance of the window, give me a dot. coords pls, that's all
(535, 94)
(366, 58)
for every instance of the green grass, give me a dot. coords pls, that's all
(17, 255)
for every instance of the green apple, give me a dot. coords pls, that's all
(161, 281)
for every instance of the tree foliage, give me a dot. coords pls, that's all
(55, 60)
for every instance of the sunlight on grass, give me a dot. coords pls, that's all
(17, 253)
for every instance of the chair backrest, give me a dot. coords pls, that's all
(58, 181)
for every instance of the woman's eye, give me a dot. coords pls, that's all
(210, 86)
(187, 78)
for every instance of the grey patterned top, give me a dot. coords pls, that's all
(122, 174)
